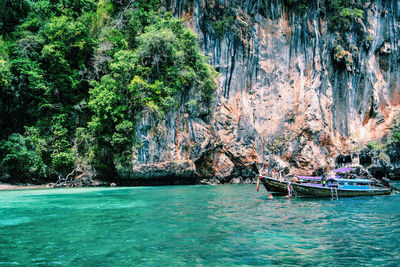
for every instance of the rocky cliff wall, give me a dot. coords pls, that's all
(290, 90)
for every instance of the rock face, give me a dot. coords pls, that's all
(289, 89)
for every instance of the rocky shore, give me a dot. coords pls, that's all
(99, 183)
(239, 180)
(21, 186)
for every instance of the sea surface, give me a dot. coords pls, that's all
(226, 225)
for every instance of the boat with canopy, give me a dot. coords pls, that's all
(340, 188)
(334, 186)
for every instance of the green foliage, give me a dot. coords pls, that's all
(387, 149)
(164, 63)
(60, 148)
(11, 13)
(221, 25)
(68, 46)
(342, 55)
(46, 63)
(143, 13)
(84, 147)
(75, 74)
(43, 63)
(104, 11)
(394, 136)
(21, 155)
(5, 74)
(23, 96)
(342, 13)
(192, 105)
(373, 145)
(351, 12)
(297, 4)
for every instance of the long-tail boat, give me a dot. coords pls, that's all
(335, 186)
(274, 186)
(340, 188)
(280, 186)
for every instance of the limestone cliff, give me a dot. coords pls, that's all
(290, 90)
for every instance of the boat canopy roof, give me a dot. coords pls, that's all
(303, 177)
(359, 181)
(344, 169)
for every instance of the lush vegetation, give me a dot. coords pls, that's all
(75, 74)
(340, 13)
(297, 4)
(385, 152)
(343, 12)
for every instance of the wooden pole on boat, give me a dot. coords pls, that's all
(258, 183)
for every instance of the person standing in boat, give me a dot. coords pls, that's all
(323, 180)
(289, 189)
(281, 178)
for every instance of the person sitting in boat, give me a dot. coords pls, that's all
(274, 173)
(331, 182)
(266, 168)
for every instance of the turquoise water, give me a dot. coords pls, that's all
(195, 225)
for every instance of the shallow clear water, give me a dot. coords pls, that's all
(195, 225)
